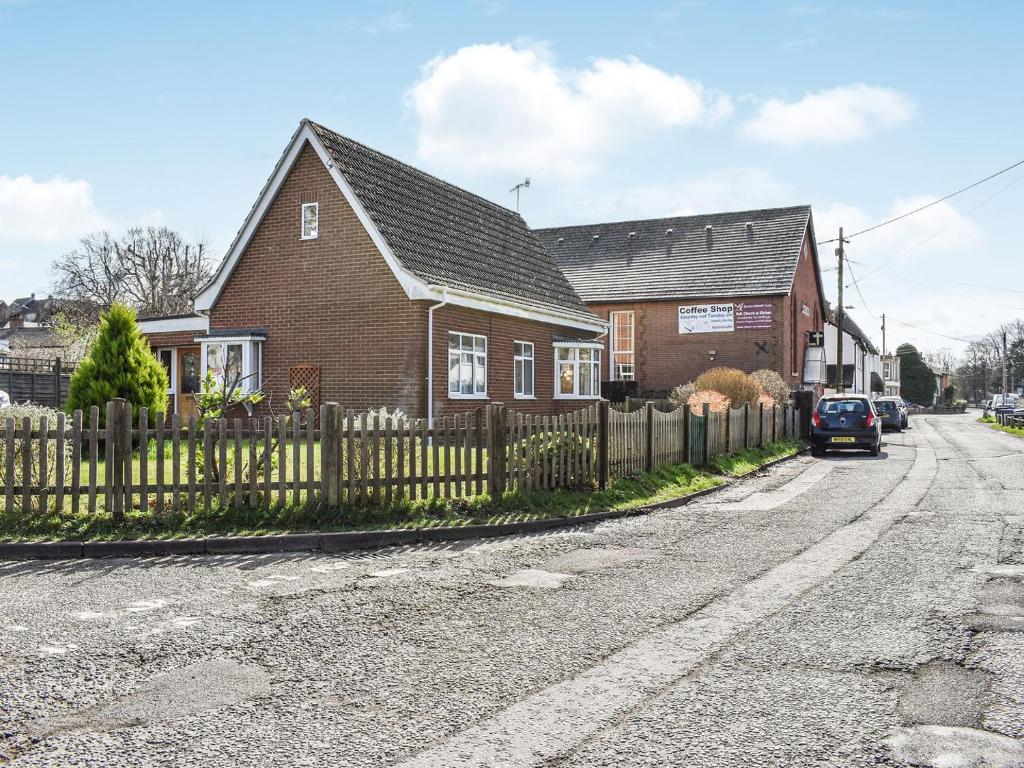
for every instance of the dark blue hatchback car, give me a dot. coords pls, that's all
(843, 422)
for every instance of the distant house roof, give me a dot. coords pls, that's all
(850, 326)
(682, 257)
(24, 338)
(448, 236)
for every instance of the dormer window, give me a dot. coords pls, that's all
(310, 220)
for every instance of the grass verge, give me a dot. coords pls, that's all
(752, 459)
(1015, 431)
(663, 484)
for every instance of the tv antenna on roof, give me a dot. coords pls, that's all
(521, 185)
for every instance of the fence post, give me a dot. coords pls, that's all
(760, 424)
(56, 384)
(706, 413)
(775, 423)
(649, 435)
(496, 462)
(746, 426)
(330, 440)
(116, 426)
(603, 443)
(686, 434)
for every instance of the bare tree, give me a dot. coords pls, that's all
(151, 269)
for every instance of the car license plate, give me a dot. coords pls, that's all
(844, 440)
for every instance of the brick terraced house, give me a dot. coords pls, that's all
(688, 293)
(373, 283)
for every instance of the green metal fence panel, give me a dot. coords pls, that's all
(698, 427)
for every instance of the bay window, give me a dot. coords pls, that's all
(623, 341)
(577, 370)
(523, 364)
(233, 361)
(467, 365)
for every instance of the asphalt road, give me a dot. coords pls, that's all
(840, 612)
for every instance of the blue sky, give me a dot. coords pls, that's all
(115, 114)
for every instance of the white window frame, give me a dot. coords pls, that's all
(302, 221)
(576, 363)
(252, 358)
(614, 351)
(172, 384)
(520, 360)
(475, 355)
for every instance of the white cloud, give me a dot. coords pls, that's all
(506, 108)
(833, 116)
(939, 229)
(51, 211)
(389, 22)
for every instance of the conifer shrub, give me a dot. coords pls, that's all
(120, 364)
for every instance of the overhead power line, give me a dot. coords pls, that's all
(929, 205)
(929, 330)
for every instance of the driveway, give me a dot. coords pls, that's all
(848, 611)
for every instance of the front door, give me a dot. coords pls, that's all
(188, 381)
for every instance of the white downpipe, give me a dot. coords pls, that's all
(430, 358)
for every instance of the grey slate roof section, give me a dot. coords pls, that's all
(450, 237)
(679, 258)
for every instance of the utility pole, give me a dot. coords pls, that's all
(840, 384)
(1005, 369)
(883, 334)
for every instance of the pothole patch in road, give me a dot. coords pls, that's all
(198, 687)
(940, 746)
(944, 693)
(1003, 597)
(597, 558)
(533, 578)
(984, 622)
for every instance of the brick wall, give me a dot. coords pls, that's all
(805, 294)
(502, 331)
(332, 301)
(172, 339)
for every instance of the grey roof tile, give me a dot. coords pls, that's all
(679, 257)
(448, 236)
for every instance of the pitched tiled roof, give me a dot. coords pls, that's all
(449, 237)
(850, 326)
(680, 258)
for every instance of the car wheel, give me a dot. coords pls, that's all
(876, 449)
(817, 452)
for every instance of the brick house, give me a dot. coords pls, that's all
(688, 293)
(373, 283)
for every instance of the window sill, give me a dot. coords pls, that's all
(524, 397)
(468, 397)
(577, 397)
(314, 237)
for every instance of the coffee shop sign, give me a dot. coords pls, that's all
(723, 318)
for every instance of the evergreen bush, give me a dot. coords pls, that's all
(120, 364)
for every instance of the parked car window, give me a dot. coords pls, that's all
(842, 406)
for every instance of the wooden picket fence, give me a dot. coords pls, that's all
(644, 439)
(342, 459)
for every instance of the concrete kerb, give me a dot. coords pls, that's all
(341, 541)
